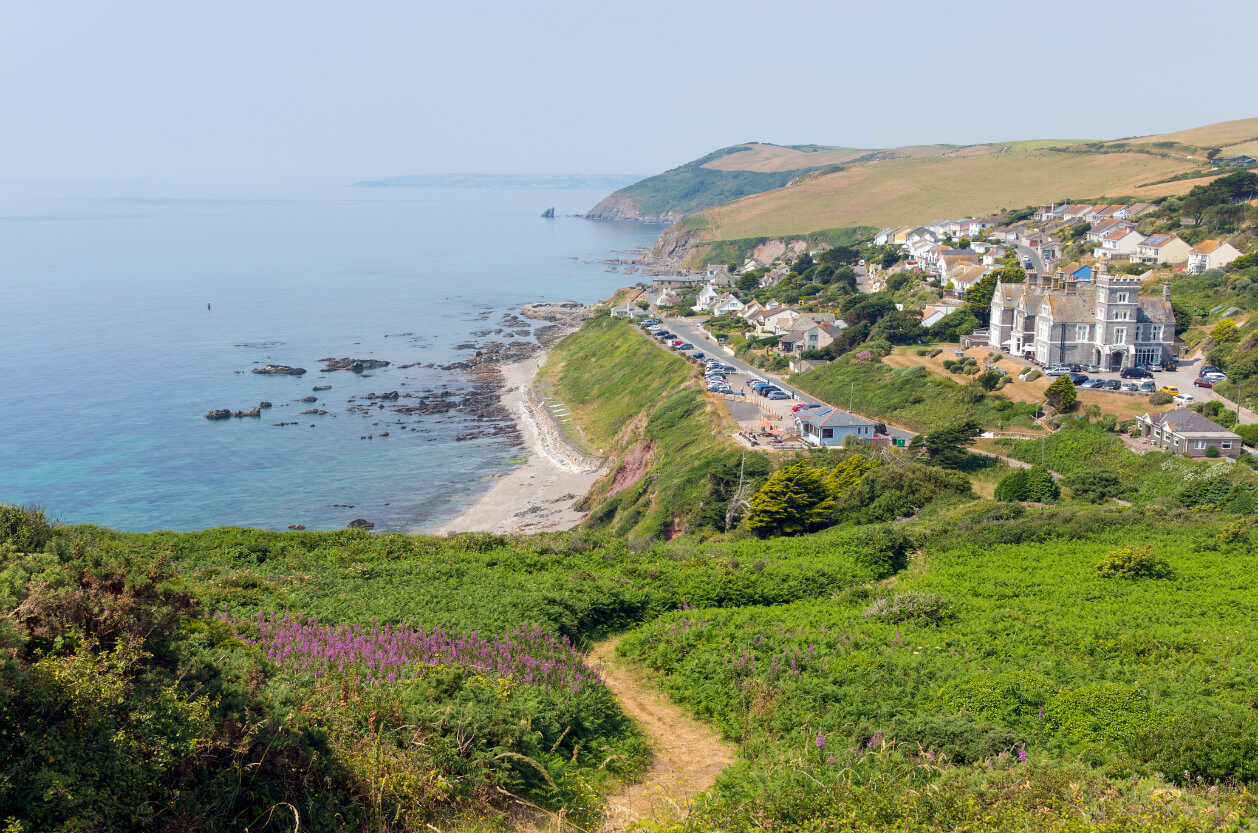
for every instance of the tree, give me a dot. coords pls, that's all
(946, 446)
(1225, 333)
(901, 327)
(1040, 485)
(1012, 487)
(978, 298)
(891, 492)
(1212, 153)
(1061, 394)
(848, 473)
(747, 282)
(794, 500)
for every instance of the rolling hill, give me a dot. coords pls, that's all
(754, 191)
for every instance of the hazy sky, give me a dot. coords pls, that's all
(272, 89)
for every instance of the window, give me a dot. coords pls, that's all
(1155, 332)
(1120, 297)
(1122, 315)
(1199, 444)
(1120, 335)
(1081, 332)
(1226, 444)
(1157, 434)
(827, 433)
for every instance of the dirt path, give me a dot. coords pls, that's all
(688, 755)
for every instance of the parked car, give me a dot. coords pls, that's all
(1203, 382)
(1074, 368)
(1155, 368)
(696, 355)
(1171, 389)
(1093, 384)
(1208, 368)
(777, 394)
(1112, 384)
(685, 345)
(1056, 370)
(1183, 399)
(1136, 372)
(1147, 386)
(1078, 378)
(1214, 377)
(1091, 368)
(1130, 387)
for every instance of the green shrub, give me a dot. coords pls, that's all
(25, 527)
(1159, 398)
(794, 500)
(1132, 563)
(1197, 747)
(1095, 486)
(960, 738)
(884, 550)
(1012, 487)
(1212, 451)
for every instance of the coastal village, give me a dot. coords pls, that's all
(1076, 289)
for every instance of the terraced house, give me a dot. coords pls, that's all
(1102, 322)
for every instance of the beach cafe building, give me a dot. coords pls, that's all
(826, 427)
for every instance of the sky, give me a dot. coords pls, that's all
(339, 91)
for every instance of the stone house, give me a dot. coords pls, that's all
(1103, 322)
(1188, 434)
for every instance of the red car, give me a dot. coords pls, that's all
(1202, 382)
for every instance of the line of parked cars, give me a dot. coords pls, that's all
(714, 376)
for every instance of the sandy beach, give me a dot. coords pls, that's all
(539, 495)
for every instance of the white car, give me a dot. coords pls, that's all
(1183, 399)
(1056, 370)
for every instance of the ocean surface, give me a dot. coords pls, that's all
(128, 311)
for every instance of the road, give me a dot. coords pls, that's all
(689, 329)
(1037, 261)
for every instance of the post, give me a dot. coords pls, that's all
(851, 397)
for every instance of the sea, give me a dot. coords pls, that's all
(127, 311)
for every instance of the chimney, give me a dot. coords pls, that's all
(1166, 291)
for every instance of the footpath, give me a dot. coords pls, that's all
(688, 754)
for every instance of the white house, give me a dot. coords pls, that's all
(726, 303)
(707, 296)
(1121, 242)
(1210, 254)
(826, 427)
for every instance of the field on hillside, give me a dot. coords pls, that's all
(916, 190)
(776, 158)
(999, 683)
(1211, 135)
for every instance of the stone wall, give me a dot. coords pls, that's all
(551, 438)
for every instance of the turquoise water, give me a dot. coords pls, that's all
(110, 356)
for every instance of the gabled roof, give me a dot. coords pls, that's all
(1185, 421)
(1120, 233)
(1156, 310)
(1157, 241)
(831, 418)
(1205, 247)
(1069, 309)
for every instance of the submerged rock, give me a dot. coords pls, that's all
(354, 365)
(279, 370)
(361, 523)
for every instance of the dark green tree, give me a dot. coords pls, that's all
(794, 500)
(1061, 394)
(1096, 486)
(946, 446)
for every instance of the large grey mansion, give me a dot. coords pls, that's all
(1067, 321)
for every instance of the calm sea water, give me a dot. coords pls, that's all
(110, 356)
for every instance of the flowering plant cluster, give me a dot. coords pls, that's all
(397, 652)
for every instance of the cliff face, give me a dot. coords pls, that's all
(620, 206)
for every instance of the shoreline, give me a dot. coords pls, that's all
(539, 495)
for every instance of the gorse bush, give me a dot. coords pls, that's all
(24, 527)
(929, 608)
(1132, 563)
(957, 738)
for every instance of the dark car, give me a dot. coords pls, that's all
(1112, 384)
(1075, 368)
(1078, 378)
(696, 355)
(1093, 383)
(1209, 368)
(1136, 372)
(1202, 382)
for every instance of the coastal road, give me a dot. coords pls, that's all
(689, 329)
(1037, 261)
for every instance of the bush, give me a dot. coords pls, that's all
(1200, 747)
(885, 550)
(1034, 484)
(794, 500)
(1012, 487)
(24, 527)
(1061, 393)
(1132, 563)
(1159, 398)
(926, 608)
(1096, 486)
(960, 738)
(890, 492)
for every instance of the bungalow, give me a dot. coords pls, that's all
(982, 224)
(1210, 254)
(826, 427)
(1134, 210)
(1161, 248)
(934, 313)
(1104, 227)
(994, 255)
(1102, 212)
(939, 226)
(706, 298)
(1235, 160)
(1075, 270)
(668, 299)
(1188, 434)
(1075, 212)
